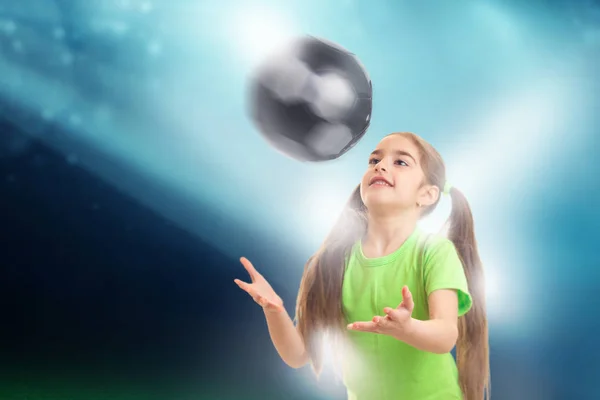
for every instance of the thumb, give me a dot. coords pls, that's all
(407, 299)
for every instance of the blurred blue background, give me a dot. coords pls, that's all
(132, 181)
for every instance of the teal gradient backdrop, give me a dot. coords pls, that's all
(147, 100)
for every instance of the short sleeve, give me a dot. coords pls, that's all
(443, 269)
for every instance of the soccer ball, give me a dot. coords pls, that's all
(311, 101)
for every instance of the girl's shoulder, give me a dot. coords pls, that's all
(430, 241)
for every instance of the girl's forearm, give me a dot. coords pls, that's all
(435, 336)
(286, 339)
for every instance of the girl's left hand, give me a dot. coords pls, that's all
(396, 321)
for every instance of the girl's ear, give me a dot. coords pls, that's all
(428, 195)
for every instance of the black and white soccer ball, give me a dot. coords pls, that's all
(311, 101)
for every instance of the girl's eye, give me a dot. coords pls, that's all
(375, 161)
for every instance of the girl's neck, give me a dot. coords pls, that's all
(385, 234)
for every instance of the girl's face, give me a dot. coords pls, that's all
(394, 175)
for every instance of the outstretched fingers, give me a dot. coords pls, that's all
(260, 300)
(364, 326)
(250, 268)
(246, 287)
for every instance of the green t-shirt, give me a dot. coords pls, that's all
(379, 367)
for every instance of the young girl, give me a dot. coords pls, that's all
(400, 299)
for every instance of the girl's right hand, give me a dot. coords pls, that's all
(259, 289)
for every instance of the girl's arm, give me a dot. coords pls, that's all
(286, 338)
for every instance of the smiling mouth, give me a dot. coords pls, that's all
(380, 182)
